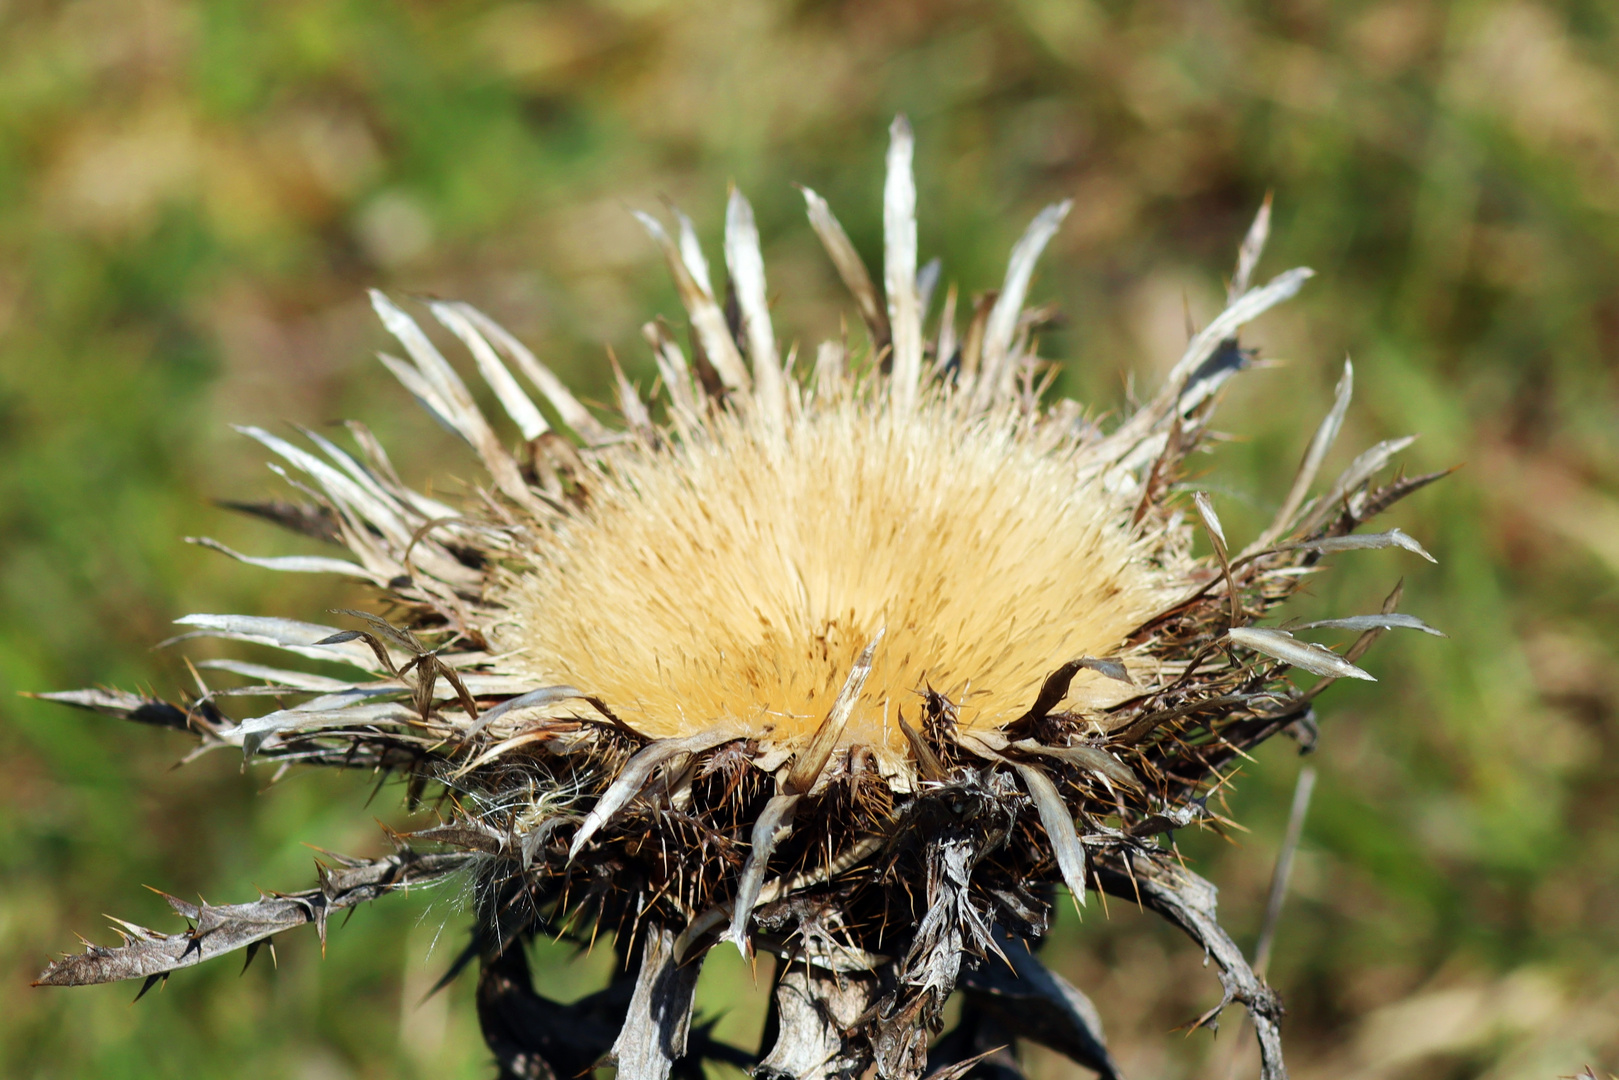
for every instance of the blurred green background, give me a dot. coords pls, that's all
(193, 197)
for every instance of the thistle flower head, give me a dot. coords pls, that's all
(738, 574)
(852, 664)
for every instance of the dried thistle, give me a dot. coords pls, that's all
(852, 666)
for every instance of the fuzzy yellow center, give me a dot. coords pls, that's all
(741, 574)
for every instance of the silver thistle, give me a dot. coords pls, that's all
(852, 665)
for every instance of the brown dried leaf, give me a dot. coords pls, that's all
(818, 1022)
(1058, 822)
(222, 929)
(122, 704)
(1033, 1002)
(658, 1021)
(1188, 901)
(639, 768)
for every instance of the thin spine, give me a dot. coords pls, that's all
(1211, 523)
(362, 475)
(382, 472)
(972, 346)
(431, 556)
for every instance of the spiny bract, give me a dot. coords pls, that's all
(852, 665)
